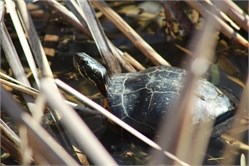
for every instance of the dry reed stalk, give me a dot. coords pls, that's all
(234, 143)
(40, 104)
(132, 61)
(203, 42)
(71, 18)
(2, 10)
(243, 160)
(233, 11)
(19, 88)
(120, 57)
(17, 85)
(10, 142)
(115, 51)
(224, 28)
(34, 40)
(99, 37)
(43, 64)
(25, 149)
(15, 64)
(178, 123)
(75, 125)
(72, 5)
(68, 16)
(6, 77)
(182, 149)
(12, 57)
(243, 111)
(17, 68)
(220, 13)
(137, 40)
(45, 149)
(22, 39)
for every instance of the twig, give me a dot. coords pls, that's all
(10, 142)
(130, 33)
(78, 129)
(75, 9)
(234, 142)
(99, 37)
(242, 111)
(15, 63)
(45, 149)
(6, 77)
(116, 52)
(1, 11)
(70, 17)
(19, 87)
(132, 61)
(25, 149)
(178, 122)
(27, 89)
(34, 40)
(40, 104)
(40, 57)
(224, 28)
(22, 39)
(243, 160)
(220, 14)
(12, 57)
(233, 11)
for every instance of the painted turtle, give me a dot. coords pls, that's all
(142, 98)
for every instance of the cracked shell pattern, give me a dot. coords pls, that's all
(141, 99)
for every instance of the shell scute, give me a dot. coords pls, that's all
(142, 99)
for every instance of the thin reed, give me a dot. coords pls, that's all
(45, 117)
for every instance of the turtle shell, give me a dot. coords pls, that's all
(141, 99)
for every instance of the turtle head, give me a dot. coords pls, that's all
(91, 70)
